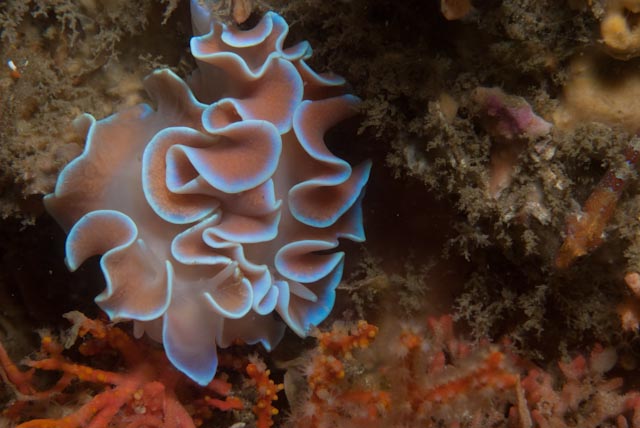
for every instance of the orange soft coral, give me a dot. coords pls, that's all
(267, 392)
(420, 374)
(330, 394)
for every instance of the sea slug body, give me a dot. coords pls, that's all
(223, 204)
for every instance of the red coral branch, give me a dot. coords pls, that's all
(142, 395)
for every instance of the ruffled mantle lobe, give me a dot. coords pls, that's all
(223, 204)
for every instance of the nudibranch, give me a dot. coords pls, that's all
(222, 205)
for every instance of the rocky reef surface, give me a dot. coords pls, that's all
(504, 191)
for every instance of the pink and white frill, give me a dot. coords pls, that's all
(222, 204)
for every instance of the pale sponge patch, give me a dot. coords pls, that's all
(619, 28)
(590, 96)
